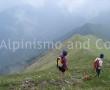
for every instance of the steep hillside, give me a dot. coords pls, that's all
(44, 74)
(91, 49)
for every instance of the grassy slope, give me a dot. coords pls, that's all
(44, 70)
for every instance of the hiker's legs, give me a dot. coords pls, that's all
(98, 72)
(62, 72)
(63, 75)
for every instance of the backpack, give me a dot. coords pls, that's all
(96, 64)
(59, 61)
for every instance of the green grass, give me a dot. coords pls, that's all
(46, 75)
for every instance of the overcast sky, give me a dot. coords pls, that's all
(88, 8)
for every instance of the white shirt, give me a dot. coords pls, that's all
(100, 61)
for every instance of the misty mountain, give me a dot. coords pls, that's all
(102, 18)
(98, 26)
(28, 23)
(42, 24)
(98, 30)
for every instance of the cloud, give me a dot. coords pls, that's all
(35, 3)
(84, 8)
(71, 5)
(87, 8)
(4, 4)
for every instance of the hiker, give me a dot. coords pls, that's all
(98, 62)
(62, 63)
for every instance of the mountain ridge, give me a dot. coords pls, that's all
(45, 70)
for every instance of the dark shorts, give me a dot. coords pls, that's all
(98, 70)
(62, 69)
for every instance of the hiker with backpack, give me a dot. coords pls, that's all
(62, 63)
(98, 63)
